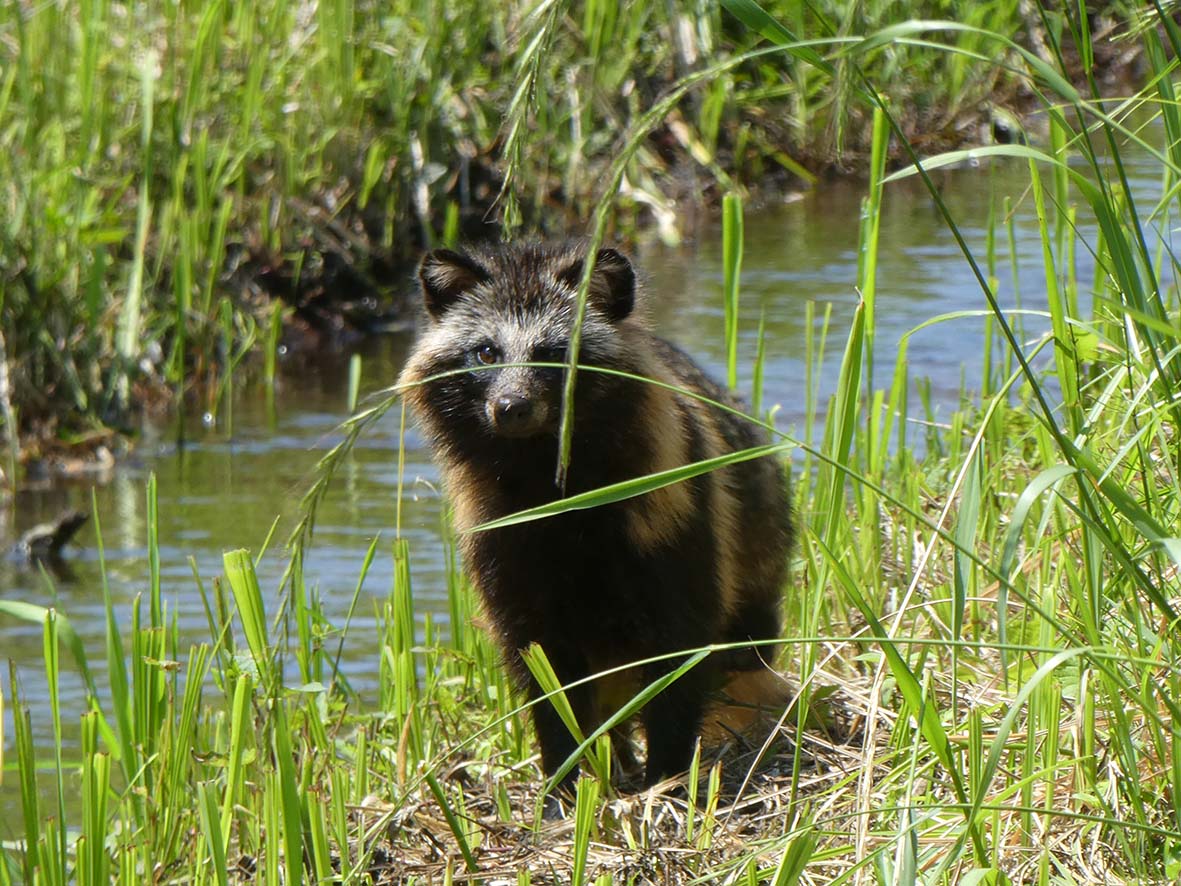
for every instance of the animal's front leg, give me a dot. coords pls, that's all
(554, 738)
(672, 721)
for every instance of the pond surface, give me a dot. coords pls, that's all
(220, 491)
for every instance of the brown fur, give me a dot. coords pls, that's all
(698, 562)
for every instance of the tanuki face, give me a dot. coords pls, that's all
(490, 313)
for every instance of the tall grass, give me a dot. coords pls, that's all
(982, 639)
(167, 172)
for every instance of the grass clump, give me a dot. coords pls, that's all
(982, 638)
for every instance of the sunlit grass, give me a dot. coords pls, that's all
(159, 161)
(981, 638)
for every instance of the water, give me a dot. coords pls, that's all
(220, 491)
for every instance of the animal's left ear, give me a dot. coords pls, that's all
(612, 285)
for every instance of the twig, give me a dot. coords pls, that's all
(6, 412)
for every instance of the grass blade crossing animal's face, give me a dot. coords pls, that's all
(491, 311)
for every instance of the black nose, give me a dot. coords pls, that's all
(515, 416)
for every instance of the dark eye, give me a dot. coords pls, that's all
(553, 354)
(487, 355)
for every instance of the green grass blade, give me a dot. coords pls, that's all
(732, 238)
(867, 256)
(640, 699)
(840, 429)
(155, 602)
(289, 806)
(452, 822)
(585, 802)
(354, 381)
(539, 666)
(370, 553)
(117, 677)
(63, 630)
(211, 829)
(243, 581)
(626, 489)
(93, 859)
(27, 777)
(1048, 479)
(966, 529)
(240, 727)
(52, 678)
(756, 384)
(756, 18)
(794, 859)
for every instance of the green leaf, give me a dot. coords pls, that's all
(626, 489)
(239, 567)
(35, 614)
(758, 20)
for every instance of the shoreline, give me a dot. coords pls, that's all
(324, 233)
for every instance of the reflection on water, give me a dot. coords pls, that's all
(220, 492)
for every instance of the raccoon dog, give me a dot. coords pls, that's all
(702, 561)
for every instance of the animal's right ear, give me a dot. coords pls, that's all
(445, 276)
(612, 285)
